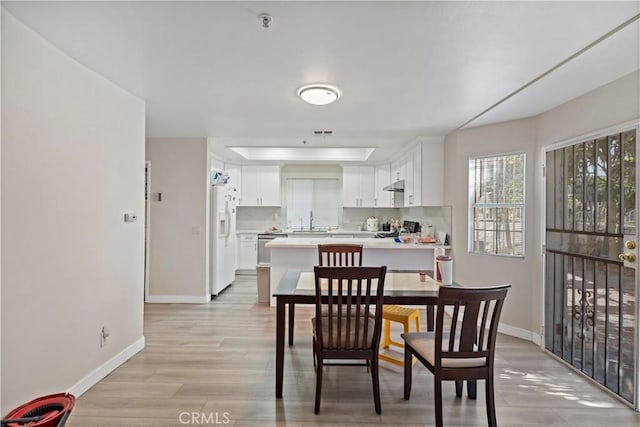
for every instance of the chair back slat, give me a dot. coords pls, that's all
(340, 255)
(475, 313)
(350, 296)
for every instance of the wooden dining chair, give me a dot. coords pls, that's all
(340, 255)
(463, 350)
(348, 296)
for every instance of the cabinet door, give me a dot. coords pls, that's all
(249, 186)
(384, 199)
(247, 252)
(350, 187)
(408, 180)
(367, 186)
(417, 175)
(397, 170)
(432, 174)
(269, 186)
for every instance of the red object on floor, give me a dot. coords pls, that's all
(53, 411)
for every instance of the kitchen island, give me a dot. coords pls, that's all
(302, 254)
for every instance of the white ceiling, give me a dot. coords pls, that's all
(406, 69)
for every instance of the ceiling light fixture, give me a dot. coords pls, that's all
(306, 153)
(319, 94)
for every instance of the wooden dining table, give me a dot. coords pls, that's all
(298, 287)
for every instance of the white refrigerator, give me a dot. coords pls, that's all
(223, 241)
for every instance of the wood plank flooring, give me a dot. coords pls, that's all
(213, 364)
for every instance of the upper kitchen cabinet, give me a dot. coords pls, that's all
(260, 186)
(413, 177)
(384, 199)
(358, 186)
(432, 173)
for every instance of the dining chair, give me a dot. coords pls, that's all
(340, 255)
(348, 296)
(462, 350)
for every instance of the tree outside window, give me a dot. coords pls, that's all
(496, 205)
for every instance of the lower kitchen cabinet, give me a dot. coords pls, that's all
(247, 251)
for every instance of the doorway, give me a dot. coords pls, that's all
(147, 225)
(591, 237)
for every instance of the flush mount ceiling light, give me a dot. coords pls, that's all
(319, 94)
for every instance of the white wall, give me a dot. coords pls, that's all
(472, 269)
(607, 106)
(72, 165)
(178, 237)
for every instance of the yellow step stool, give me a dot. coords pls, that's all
(396, 313)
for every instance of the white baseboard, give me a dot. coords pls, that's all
(178, 299)
(106, 368)
(520, 333)
(512, 331)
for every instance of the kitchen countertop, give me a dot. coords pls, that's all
(307, 232)
(370, 243)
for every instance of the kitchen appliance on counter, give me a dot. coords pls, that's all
(222, 239)
(411, 226)
(372, 224)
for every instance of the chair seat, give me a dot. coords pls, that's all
(423, 344)
(343, 331)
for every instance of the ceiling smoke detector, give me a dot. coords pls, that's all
(266, 19)
(319, 94)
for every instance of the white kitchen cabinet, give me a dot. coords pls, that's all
(358, 186)
(260, 186)
(247, 251)
(398, 170)
(384, 199)
(413, 177)
(432, 174)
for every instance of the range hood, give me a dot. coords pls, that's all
(396, 186)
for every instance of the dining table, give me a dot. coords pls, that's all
(298, 287)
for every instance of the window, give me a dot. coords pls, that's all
(305, 196)
(496, 205)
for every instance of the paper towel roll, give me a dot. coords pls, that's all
(445, 268)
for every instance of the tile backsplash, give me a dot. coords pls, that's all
(258, 217)
(261, 218)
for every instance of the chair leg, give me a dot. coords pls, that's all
(314, 353)
(407, 371)
(376, 385)
(386, 337)
(491, 405)
(472, 389)
(316, 409)
(437, 384)
(459, 388)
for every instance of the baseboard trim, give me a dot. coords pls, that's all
(520, 333)
(178, 299)
(106, 368)
(512, 331)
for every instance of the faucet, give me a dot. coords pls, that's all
(310, 220)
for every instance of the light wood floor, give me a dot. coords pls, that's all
(218, 359)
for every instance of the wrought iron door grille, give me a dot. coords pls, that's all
(590, 298)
